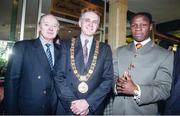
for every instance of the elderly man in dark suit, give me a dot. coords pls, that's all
(85, 74)
(29, 85)
(173, 103)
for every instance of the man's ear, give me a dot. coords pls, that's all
(151, 26)
(38, 28)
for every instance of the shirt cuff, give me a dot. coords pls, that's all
(137, 94)
(115, 90)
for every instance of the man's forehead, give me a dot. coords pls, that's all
(140, 17)
(89, 14)
(49, 19)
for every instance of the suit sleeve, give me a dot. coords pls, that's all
(160, 87)
(63, 91)
(171, 106)
(176, 69)
(116, 69)
(12, 79)
(97, 97)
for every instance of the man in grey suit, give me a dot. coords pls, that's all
(143, 71)
(29, 87)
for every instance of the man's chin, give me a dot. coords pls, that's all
(90, 34)
(49, 38)
(138, 39)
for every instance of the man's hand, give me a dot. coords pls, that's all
(126, 85)
(80, 107)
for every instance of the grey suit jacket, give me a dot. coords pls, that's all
(151, 70)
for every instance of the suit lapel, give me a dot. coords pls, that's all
(131, 47)
(146, 48)
(56, 52)
(132, 50)
(91, 54)
(78, 52)
(40, 53)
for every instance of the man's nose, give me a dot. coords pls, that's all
(138, 27)
(50, 28)
(90, 24)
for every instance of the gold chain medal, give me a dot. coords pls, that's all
(83, 86)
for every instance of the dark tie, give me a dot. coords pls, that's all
(49, 55)
(85, 52)
(138, 45)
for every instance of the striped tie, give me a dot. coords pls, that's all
(49, 55)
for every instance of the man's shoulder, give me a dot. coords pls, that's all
(161, 50)
(23, 42)
(65, 44)
(124, 47)
(21, 45)
(104, 46)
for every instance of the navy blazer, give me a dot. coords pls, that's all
(100, 82)
(173, 102)
(29, 87)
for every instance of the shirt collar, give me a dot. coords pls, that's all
(43, 41)
(83, 39)
(143, 42)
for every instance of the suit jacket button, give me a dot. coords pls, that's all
(44, 92)
(39, 77)
(69, 70)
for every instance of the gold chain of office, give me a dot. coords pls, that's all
(93, 64)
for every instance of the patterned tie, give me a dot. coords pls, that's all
(85, 52)
(138, 45)
(49, 55)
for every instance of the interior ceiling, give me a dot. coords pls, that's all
(162, 10)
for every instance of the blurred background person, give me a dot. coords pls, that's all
(173, 102)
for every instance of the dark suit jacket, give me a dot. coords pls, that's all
(100, 82)
(173, 103)
(29, 85)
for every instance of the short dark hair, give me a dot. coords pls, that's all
(145, 14)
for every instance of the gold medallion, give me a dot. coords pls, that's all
(83, 87)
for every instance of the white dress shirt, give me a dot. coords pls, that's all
(89, 44)
(43, 42)
(143, 42)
